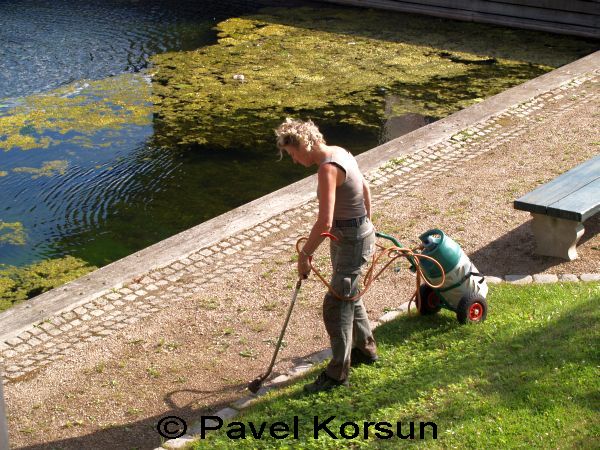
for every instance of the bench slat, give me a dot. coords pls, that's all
(541, 200)
(579, 206)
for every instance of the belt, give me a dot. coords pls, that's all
(356, 222)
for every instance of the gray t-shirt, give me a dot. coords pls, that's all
(349, 199)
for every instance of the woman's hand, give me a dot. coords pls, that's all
(303, 266)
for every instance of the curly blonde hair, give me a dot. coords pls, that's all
(297, 132)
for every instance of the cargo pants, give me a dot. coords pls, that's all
(346, 322)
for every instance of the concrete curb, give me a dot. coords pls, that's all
(314, 359)
(115, 275)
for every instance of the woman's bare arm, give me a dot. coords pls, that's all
(327, 176)
(367, 197)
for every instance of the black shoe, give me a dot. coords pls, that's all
(324, 383)
(357, 358)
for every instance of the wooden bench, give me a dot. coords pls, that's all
(560, 207)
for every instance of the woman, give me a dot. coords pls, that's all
(344, 211)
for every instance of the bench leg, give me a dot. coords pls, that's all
(556, 237)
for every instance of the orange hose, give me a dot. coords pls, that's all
(393, 253)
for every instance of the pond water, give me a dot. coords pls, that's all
(86, 168)
(104, 198)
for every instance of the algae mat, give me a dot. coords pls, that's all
(340, 65)
(86, 114)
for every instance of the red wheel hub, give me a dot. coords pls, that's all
(476, 312)
(432, 300)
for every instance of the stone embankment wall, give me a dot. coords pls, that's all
(575, 17)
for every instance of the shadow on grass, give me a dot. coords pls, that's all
(511, 367)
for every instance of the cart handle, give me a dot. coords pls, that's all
(413, 264)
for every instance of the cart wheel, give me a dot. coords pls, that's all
(471, 308)
(430, 301)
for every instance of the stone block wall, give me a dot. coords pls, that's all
(575, 17)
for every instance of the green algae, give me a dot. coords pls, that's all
(12, 233)
(337, 66)
(48, 169)
(76, 113)
(19, 284)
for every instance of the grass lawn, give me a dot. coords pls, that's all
(526, 378)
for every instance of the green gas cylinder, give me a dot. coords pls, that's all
(441, 248)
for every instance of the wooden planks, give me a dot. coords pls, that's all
(563, 15)
(580, 205)
(574, 195)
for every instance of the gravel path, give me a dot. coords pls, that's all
(186, 339)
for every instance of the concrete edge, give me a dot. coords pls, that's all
(163, 253)
(478, 16)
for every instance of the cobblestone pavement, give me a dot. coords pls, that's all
(46, 342)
